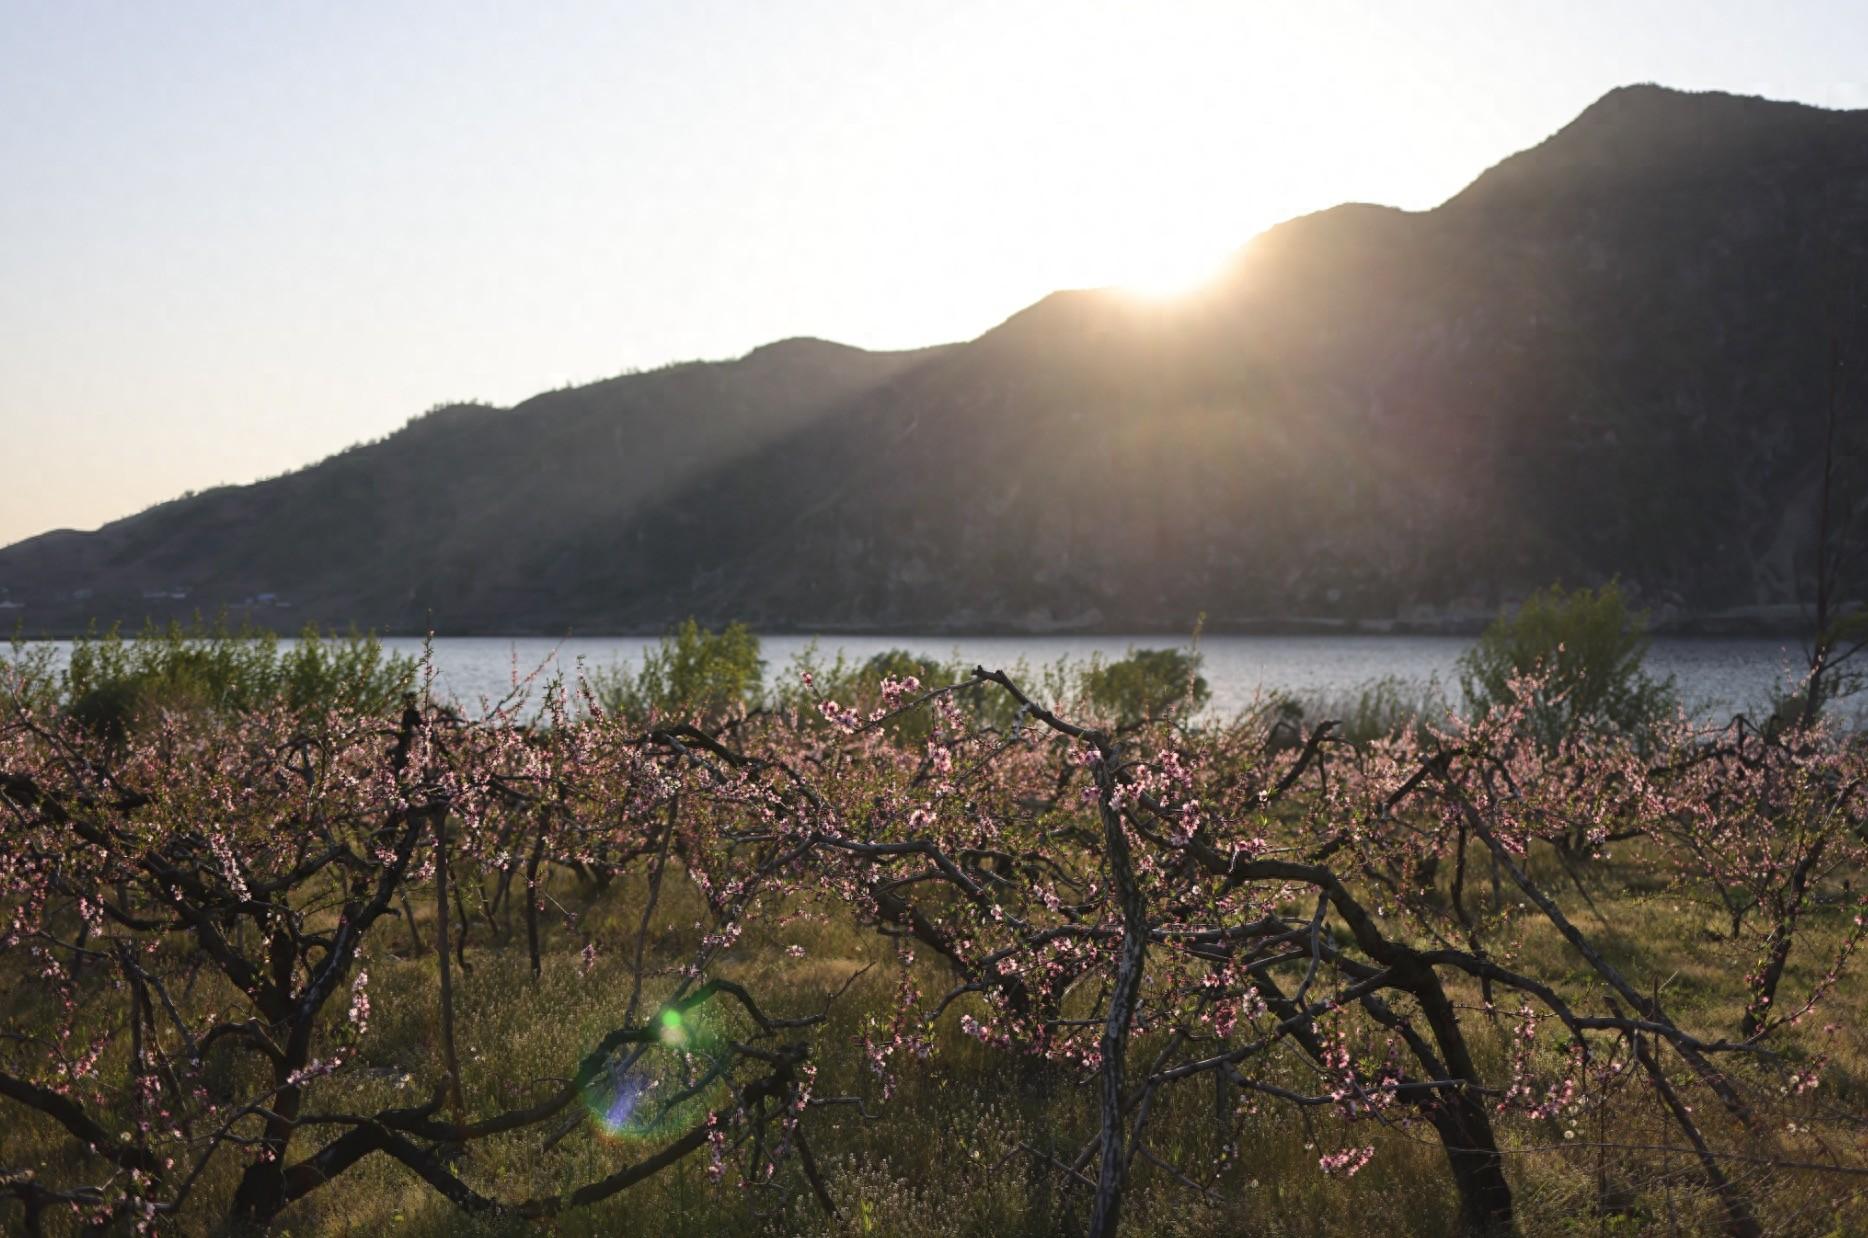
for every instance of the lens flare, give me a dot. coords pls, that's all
(659, 1085)
(616, 1115)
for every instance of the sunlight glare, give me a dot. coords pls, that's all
(1166, 271)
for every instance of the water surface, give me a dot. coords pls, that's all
(1716, 677)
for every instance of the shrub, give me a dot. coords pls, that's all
(858, 686)
(810, 678)
(1578, 654)
(901, 664)
(693, 673)
(29, 677)
(1376, 709)
(862, 687)
(1149, 684)
(112, 685)
(1831, 678)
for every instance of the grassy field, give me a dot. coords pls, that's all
(956, 1150)
(196, 971)
(967, 1142)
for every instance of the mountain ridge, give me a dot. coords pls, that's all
(1606, 356)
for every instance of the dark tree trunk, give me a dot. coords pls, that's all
(1121, 1016)
(1465, 1132)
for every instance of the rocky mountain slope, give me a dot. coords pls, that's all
(1608, 356)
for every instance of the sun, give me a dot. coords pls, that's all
(1165, 267)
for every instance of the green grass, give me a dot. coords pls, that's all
(955, 1150)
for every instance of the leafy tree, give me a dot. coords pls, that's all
(1146, 685)
(29, 677)
(883, 681)
(1572, 659)
(694, 672)
(901, 664)
(112, 685)
(811, 678)
(1376, 709)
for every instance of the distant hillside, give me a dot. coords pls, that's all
(1609, 355)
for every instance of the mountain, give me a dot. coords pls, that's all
(1609, 356)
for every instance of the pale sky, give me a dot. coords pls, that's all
(237, 237)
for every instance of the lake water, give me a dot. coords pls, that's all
(1716, 678)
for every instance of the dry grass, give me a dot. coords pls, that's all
(956, 1150)
(961, 1148)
